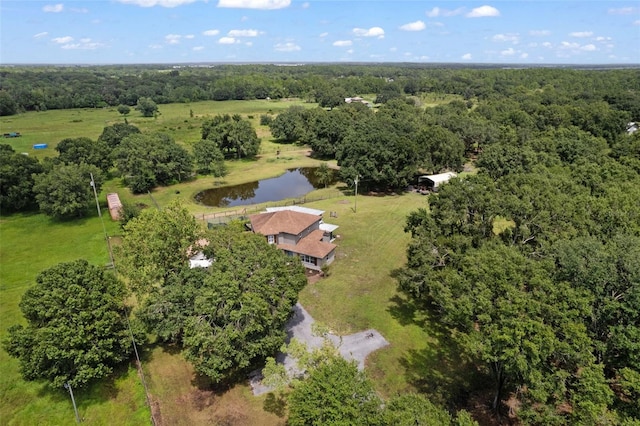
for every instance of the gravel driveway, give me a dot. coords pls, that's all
(352, 347)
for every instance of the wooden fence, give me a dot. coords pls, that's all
(244, 211)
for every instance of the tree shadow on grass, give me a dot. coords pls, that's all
(439, 370)
(96, 393)
(276, 404)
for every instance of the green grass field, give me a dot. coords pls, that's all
(30, 243)
(360, 292)
(52, 126)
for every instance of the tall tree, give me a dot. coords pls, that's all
(147, 160)
(114, 134)
(156, 245)
(84, 150)
(65, 192)
(209, 157)
(147, 107)
(16, 179)
(76, 327)
(335, 392)
(234, 135)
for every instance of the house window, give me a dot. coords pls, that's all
(271, 239)
(308, 259)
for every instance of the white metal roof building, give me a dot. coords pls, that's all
(436, 180)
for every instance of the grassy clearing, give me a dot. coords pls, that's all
(30, 243)
(52, 126)
(361, 293)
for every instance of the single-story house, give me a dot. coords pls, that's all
(115, 206)
(434, 181)
(298, 233)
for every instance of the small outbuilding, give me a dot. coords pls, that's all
(40, 146)
(434, 181)
(115, 206)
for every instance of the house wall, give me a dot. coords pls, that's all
(316, 225)
(287, 239)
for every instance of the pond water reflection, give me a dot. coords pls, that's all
(293, 184)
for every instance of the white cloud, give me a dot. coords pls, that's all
(79, 10)
(350, 51)
(436, 11)
(172, 38)
(483, 11)
(255, 4)
(636, 22)
(211, 32)
(248, 43)
(40, 35)
(568, 45)
(342, 43)
(508, 52)
(155, 46)
(189, 36)
(152, 3)
(413, 26)
(546, 44)
(581, 34)
(622, 11)
(62, 40)
(324, 34)
(600, 38)
(371, 32)
(588, 48)
(539, 33)
(511, 38)
(85, 44)
(286, 47)
(466, 56)
(306, 5)
(243, 33)
(53, 8)
(197, 48)
(524, 55)
(228, 40)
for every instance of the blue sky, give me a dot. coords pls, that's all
(172, 31)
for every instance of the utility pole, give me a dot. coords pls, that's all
(67, 386)
(355, 201)
(104, 228)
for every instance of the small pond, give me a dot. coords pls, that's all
(293, 184)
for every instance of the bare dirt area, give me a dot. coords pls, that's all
(178, 397)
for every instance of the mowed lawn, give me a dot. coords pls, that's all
(30, 243)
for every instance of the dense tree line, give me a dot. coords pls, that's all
(41, 88)
(532, 264)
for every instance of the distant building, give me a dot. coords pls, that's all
(434, 181)
(632, 127)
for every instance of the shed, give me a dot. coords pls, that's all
(434, 181)
(115, 206)
(40, 146)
